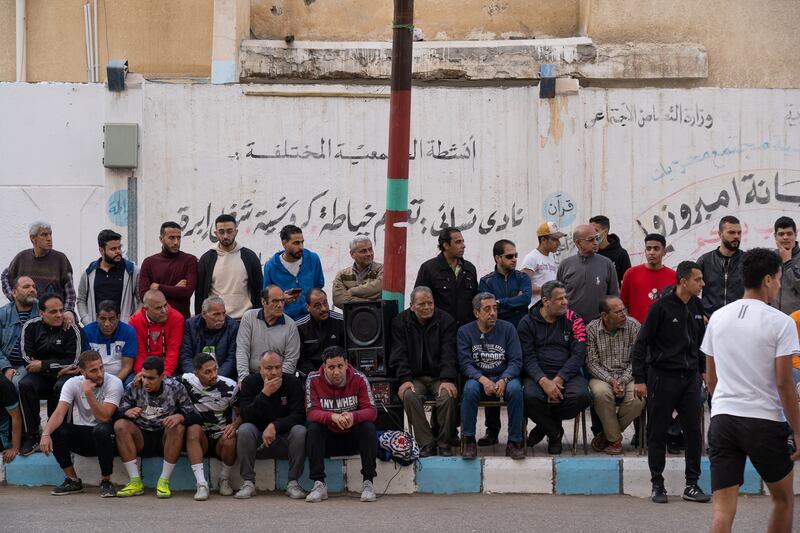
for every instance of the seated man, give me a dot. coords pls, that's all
(214, 398)
(319, 329)
(490, 358)
(609, 340)
(424, 357)
(159, 332)
(10, 421)
(553, 342)
(341, 416)
(363, 280)
(115, 341)
(92, 399)
(51, 354)
(155, 410)
(267, 330)
(212, 332)
(272, 414)
(13, 316)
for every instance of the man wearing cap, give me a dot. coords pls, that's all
(540, 264)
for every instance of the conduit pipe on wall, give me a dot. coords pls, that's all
(22, 61)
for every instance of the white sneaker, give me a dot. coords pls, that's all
(247, 491)
(202, 492)
(295, 491)
(368, 492)
(225, 488)
(318, 493)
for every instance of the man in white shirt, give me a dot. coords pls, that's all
(540, 264)
(93, 398)
(749, 347)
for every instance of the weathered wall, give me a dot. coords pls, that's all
(7, 42)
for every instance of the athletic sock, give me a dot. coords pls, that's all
(132, 469)
(166, 470)
(199, 475)
(225, 473)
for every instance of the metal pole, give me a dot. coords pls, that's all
(394, 274)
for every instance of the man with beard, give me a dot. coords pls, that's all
(295, 270)
(361, 282)
(722, 269)
(109, 278)
(788, 299)
(230, 271)
(170, 271)
(610, 246)
(92, 398)
(13, 316)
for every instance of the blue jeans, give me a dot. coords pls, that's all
(472, 395)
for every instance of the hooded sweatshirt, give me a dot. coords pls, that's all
(354, 396)
(617, 255)
(588, 279)
(309, 276)
(234, 276)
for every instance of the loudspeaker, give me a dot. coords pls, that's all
(390, 410)
(367, 327)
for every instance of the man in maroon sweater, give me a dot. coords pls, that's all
(341, 413)
(170, 271)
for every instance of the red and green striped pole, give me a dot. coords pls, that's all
(394, 274)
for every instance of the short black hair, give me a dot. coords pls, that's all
(107, 235)
(87, 357)
(108, 305)
(728, 219)
(154, 363)
(603, 305)
(288, 230)
(758, 263)
(684, 270)
(169, 224)
(265, 290)
(785, 222)
(656, 237)
(224, 217)
(314, 290)
(500, 245)
(46, 297)
(601, 220)
(201, 359)
(446, 236)
(331, 352)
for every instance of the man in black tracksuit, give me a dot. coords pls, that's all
(319, 329)
(667, 357)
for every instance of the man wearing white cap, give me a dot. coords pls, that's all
(540, 264)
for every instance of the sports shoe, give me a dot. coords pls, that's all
(693, 493)
(600, 442)
(318, 493)
(368, 492)
(107, 489)
(30, 444)
(535, 436)
(201, 494)
(70, 486)
(225, 488)
(659, 494)
(162, 488)
(614, 448)
(490, 439)
(247, 491)
(295, 491)
(135, 487)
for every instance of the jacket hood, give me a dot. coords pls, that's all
(613, 243)
(221, 252)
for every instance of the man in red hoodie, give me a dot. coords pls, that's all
(341, 413)
(159, 332)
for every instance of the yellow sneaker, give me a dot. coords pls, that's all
(162, 488)
(135, 487)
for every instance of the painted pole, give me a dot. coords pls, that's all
(394, 273)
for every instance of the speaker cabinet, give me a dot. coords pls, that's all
(367, 327)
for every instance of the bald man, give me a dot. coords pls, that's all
(159, 332)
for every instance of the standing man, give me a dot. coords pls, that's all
(610, 246)
(230, 271)
(319, 329)
(212, 332)
(13, 317)
(540, 264)
(159, 332)
(424, 357)
(749, 346)
(49, 269)
(722, 269)
(666, 356)
(115, 341)
(295, 270)
(588, 277)
(788, 299)
(642, 284)
(109, 278)
(361, 282)
(170, 271)
(452, 279)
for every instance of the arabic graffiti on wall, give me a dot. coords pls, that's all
(629, 114)
(118, 207)
(559, 208)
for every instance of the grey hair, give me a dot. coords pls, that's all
(36, 227)
(269, 352)
(357, 239)
(550, 286)
(481, 296)
(211, 300)
(417, 290)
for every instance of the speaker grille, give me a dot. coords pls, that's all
(365, 326)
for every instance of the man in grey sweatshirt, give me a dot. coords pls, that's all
(267, 329)
(588, 276)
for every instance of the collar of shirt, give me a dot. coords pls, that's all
(361, 273)
(281, 319)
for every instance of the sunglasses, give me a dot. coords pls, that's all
(595, 238)
(510, 256)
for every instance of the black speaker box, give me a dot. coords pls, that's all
(367, 339)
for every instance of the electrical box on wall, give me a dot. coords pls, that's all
(120, 145)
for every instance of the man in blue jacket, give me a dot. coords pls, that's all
(553, 340)
(212, 332)
(295, 270)
(13, 316)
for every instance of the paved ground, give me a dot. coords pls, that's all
(33, 509)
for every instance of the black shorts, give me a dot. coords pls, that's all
(732, 439)
(153, 443)
(211, 452)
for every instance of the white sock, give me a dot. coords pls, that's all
(226, 471)
(166, 470)
(132, 469)
(199, 475)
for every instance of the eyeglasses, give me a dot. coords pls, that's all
(510, 256)
(282, 301)
(593, 238)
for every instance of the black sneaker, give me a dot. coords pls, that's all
(659, 494)
(30, 444)
(107, 489)
(68, 487)
(535, 436)
(693, 493)
(490, 439)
